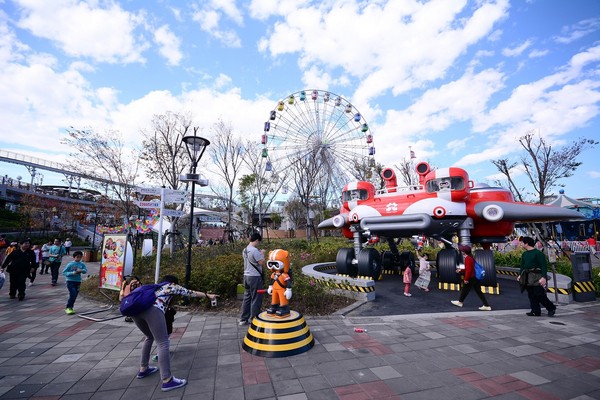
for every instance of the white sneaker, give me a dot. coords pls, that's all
(485, 308)
(457, 303)
(30, 284)
(407, 294)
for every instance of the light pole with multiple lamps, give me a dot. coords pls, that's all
(195, 146)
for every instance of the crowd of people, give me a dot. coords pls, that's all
(24, 261)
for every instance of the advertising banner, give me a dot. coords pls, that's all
(114, 248)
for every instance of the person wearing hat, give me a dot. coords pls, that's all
(470, 281)
(19, 264)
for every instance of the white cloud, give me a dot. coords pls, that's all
(209, 17)
(538, 53)
(516, 51)
(83, 29)
(594, 174)
(396, 45)
(557, 101)
(579, 30)
(169, 45)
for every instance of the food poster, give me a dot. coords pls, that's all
(113, 259)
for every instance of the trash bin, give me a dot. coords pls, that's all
(89, 255)
(583, 283)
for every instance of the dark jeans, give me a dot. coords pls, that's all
(17, 284)
(474, 284)
(45, 266)
(73, 288)
(537, 296)
(252, 300)
(54, 267)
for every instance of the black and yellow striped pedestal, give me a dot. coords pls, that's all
(270, 336)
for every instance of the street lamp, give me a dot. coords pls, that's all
(195, 146)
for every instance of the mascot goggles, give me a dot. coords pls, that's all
(275, 265)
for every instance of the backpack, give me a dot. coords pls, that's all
(140, 299)
(479, 271)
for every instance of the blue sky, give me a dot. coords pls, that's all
(458, 81)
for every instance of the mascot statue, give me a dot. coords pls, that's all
(281, 283)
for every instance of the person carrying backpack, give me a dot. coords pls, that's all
(470, 281)
(153, 325)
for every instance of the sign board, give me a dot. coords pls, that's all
(172, 213)
(209, 218)
(148, 191)
(147, 204)
(175, 192)
(170, 198)
(114, 249)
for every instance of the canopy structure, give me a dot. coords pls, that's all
(562, 200)
(576, 230)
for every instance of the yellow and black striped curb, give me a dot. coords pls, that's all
(270, 336)
(449, 286)
(559, 290)
(364, 284)
(458, 286)
(583, 287)
(502, 271)
(345, 285)
(491, 289)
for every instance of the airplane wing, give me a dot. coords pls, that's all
(523, 212)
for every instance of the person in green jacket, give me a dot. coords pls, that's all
(72, 273)
(534, 263)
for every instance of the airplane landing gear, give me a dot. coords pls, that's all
(447, 260)
(344, 262)
(369, 263)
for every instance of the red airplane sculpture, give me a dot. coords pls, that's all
(444, 203)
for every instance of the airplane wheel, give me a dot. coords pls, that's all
(369, 263)
(446, 265)
(343, 262)
(387, 261)
(486, 259)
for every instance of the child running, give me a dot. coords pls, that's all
(72, 273)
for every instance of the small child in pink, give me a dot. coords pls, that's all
(407, 279)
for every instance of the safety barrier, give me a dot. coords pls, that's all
(564, 284)
(359, 288)
(363, 288)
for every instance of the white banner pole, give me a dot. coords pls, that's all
(160, 234)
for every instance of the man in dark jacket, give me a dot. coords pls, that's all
(19, 264)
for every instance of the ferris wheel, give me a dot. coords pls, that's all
(321, 124)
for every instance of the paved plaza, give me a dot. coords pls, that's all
(46, 354)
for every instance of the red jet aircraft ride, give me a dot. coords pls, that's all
(444, 203)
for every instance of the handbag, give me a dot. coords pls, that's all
(533, 277)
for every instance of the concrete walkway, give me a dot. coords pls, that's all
(46, 354)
